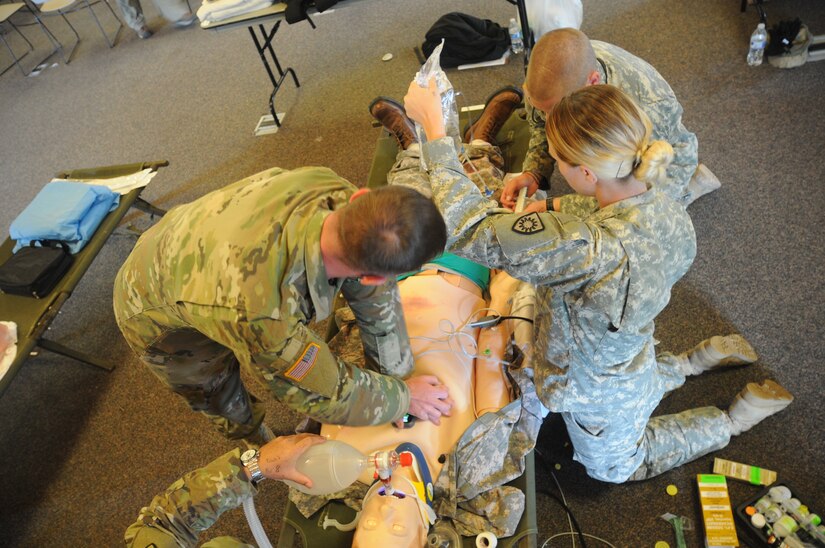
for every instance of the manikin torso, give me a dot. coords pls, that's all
(434, 305)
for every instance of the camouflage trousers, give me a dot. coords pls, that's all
(206, 374)
(617, 445)
(483, 164)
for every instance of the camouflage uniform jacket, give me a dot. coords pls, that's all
(193, 504)
(654, 96)
(600, 282)
(243, 266)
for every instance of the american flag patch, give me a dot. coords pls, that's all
(300, 368)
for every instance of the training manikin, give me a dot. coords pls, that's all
(437, 303)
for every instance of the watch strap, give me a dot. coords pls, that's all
(250, 461)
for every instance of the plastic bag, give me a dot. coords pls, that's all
(432, 68)
(547, 15)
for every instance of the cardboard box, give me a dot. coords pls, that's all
(720, 531)
(744, 472)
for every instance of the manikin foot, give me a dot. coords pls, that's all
(755, 403)
(719, 351)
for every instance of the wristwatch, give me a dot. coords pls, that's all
(549, 204)
(249, 459)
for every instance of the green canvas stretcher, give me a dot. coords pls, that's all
(513, 139)
(34, 316)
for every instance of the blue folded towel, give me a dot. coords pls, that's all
(70, 212)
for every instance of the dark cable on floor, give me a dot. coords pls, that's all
(562, 503)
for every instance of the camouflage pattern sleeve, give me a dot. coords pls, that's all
(578, 205)
(684, 143)
(380, 318)
(306, 376)
(538, 159)
(192, 504)
(541, 249)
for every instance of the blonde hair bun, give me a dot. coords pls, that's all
(655, 161)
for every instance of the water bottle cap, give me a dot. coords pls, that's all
(406, 459)
(760, 26)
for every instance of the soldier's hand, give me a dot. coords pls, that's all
(429, 399)
(539, 206)
(278, 457)
(423, 105)
(509, 195)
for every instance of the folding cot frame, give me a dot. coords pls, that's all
(513, 139)
(34, 316)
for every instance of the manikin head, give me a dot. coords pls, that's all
(391, 521)
(561, 62)
(382, 233)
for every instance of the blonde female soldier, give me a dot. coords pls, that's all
(601, 281)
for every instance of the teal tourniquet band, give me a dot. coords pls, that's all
(479, 275)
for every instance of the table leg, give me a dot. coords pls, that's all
(263, 48)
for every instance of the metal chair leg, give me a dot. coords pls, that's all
(67, 58)
(111, 43)
(56, 44)
(13, 56)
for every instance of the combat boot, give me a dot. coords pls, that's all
(755, 403)
(718, 351)
(702, 182)
(500, 105)
(394, 118)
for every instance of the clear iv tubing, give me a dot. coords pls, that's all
(255, 523)
(454, 333)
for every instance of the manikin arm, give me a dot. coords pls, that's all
(491, 389)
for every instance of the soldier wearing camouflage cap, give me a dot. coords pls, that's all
(233, 279)
(565, 60)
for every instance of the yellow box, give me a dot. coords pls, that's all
(720, 532)
(744, 472)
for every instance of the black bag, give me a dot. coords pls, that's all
(34, 271)
(468, 39)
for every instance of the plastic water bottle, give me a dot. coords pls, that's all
(759, 40)
(516, 40)
(335, 465)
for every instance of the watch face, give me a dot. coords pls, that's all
(248, 455)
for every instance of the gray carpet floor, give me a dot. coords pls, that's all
(83, 450)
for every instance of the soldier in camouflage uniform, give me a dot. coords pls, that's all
(231, 280)
(565, 60)
(601, 280)
(195, 502)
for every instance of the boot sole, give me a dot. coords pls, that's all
(736, 348)
(769, 394)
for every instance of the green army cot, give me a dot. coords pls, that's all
(513, 139)
(34, 316)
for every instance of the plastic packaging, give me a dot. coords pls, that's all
(516, 40)
(547, 15)
(759, 40)
(449, 110)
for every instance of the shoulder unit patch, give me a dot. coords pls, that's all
(528, 224)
